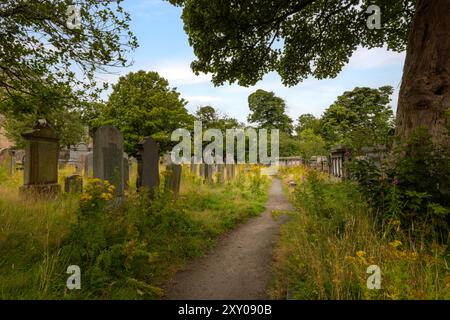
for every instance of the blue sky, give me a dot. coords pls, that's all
(164, 47)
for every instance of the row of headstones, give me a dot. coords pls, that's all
(214, 173)
(107, 159)
(290, 161)
(106, 162)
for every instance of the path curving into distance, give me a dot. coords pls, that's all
(239, 266)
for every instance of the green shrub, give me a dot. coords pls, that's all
(414, 186)
(325, 248)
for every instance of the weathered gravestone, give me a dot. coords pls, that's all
(202, 169)
(174, 182)
(41, 161)
(108, 157)
(73, 184)
(173, 177)
(148, 166)
(230, 168)
(220, 173)
(89, 164)
(209, 173)
(193, 166)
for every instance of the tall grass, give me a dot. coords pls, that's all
(124, 252)
(331, 240)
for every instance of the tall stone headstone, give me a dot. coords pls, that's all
(209, 173)
(173, 177)
(231, 171)
(108, 157)
(202, 169)
(148, 165)
(220, 173)
(89, 164)
(193, 166)
(41, 161)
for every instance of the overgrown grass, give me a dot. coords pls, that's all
(325, 249)
(124, 252)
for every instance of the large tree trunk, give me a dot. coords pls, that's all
(425, 91)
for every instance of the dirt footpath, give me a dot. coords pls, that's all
(239, 265)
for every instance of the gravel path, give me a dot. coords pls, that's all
(239, 265)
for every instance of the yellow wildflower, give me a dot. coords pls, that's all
(106, 196)
(361, 254)
(86, 197)
(361, 257)
(395, 243)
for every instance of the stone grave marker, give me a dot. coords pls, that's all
(230, 169)
(173, 177)
(220, 173)
(209, 173)
(73, 184)
(202, 170)
(89, 164)
(193, 166)
(148, 165)
(41, 162)
(108, 157)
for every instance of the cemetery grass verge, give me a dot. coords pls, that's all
(127, 252)
(331, 239)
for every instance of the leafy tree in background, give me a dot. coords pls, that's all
(311, 144)
(306, 145)
(289, 145)
(210, 118)
(67, 124)
(269, 111)
(359, 118)
(38, 49)
(58, 105)
(142, 104)
(244, 40)
(307, 121)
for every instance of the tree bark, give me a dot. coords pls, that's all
(424, 97)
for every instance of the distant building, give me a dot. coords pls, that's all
(4, 142)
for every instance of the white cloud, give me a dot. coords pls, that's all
(364, 58)
(180, 73)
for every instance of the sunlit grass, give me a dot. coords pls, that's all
(331, 240)
(35, 233)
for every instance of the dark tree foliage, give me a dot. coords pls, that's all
(245, 39)
(40, 49)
